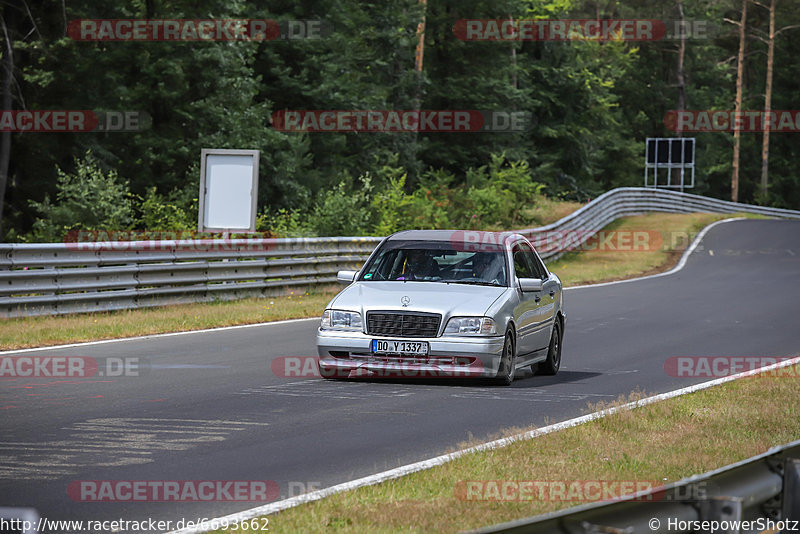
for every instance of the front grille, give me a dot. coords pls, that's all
(403, 324)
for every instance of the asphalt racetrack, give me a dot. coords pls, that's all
(208, 406)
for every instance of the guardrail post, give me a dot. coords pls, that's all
(719, 508)
(791, 489)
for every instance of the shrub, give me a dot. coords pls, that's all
(431, 202)
(164, 213)
(392, 205)
(344, 210)
(87, 199)
(498, 193)
(285, 223)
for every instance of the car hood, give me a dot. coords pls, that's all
(432, 297)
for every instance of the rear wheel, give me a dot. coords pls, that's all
(553, 362)
(508, 360)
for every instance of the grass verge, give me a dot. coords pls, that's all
(582, 267)
(660, 443)
(548, 210)
(667, 235)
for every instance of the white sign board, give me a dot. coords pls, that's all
(228, 190)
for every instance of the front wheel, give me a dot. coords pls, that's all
(551, 365)
(508, 361)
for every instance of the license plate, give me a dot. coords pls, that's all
(409, 348)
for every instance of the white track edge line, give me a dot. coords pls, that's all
(445, 458)
(675, 269)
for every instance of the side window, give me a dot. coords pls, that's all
(537, 269)
(522, 264)
(538, 266)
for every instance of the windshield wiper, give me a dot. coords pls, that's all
(472, 282)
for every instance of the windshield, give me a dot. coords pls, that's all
(426, 261)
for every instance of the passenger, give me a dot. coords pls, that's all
(487, 266)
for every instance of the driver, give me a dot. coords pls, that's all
(419, 266)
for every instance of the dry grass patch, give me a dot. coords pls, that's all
(548, 210)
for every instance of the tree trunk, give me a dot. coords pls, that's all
(419, 56)
(680, 75)
(768, 103)
(420, 51)
(737, 134)
(5, 137)
(513, 58)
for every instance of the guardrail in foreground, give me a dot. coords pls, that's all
(58, 278)
(758, 490)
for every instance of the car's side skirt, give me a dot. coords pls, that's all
(531, 358)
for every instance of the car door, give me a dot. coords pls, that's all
(526, 312)
(550, 297)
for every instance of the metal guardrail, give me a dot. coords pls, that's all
(59, 278)
(576, 228)
(758, 490)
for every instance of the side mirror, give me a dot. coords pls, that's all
(528, 285)
(346, 277)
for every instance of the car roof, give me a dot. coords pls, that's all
(449, 235)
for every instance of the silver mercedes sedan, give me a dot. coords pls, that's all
(445, 303)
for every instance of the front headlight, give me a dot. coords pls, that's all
(470, 326)
(341, 320)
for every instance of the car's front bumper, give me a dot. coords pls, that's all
(343, 354)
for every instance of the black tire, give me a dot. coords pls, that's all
(505, 375)
(553, 362)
